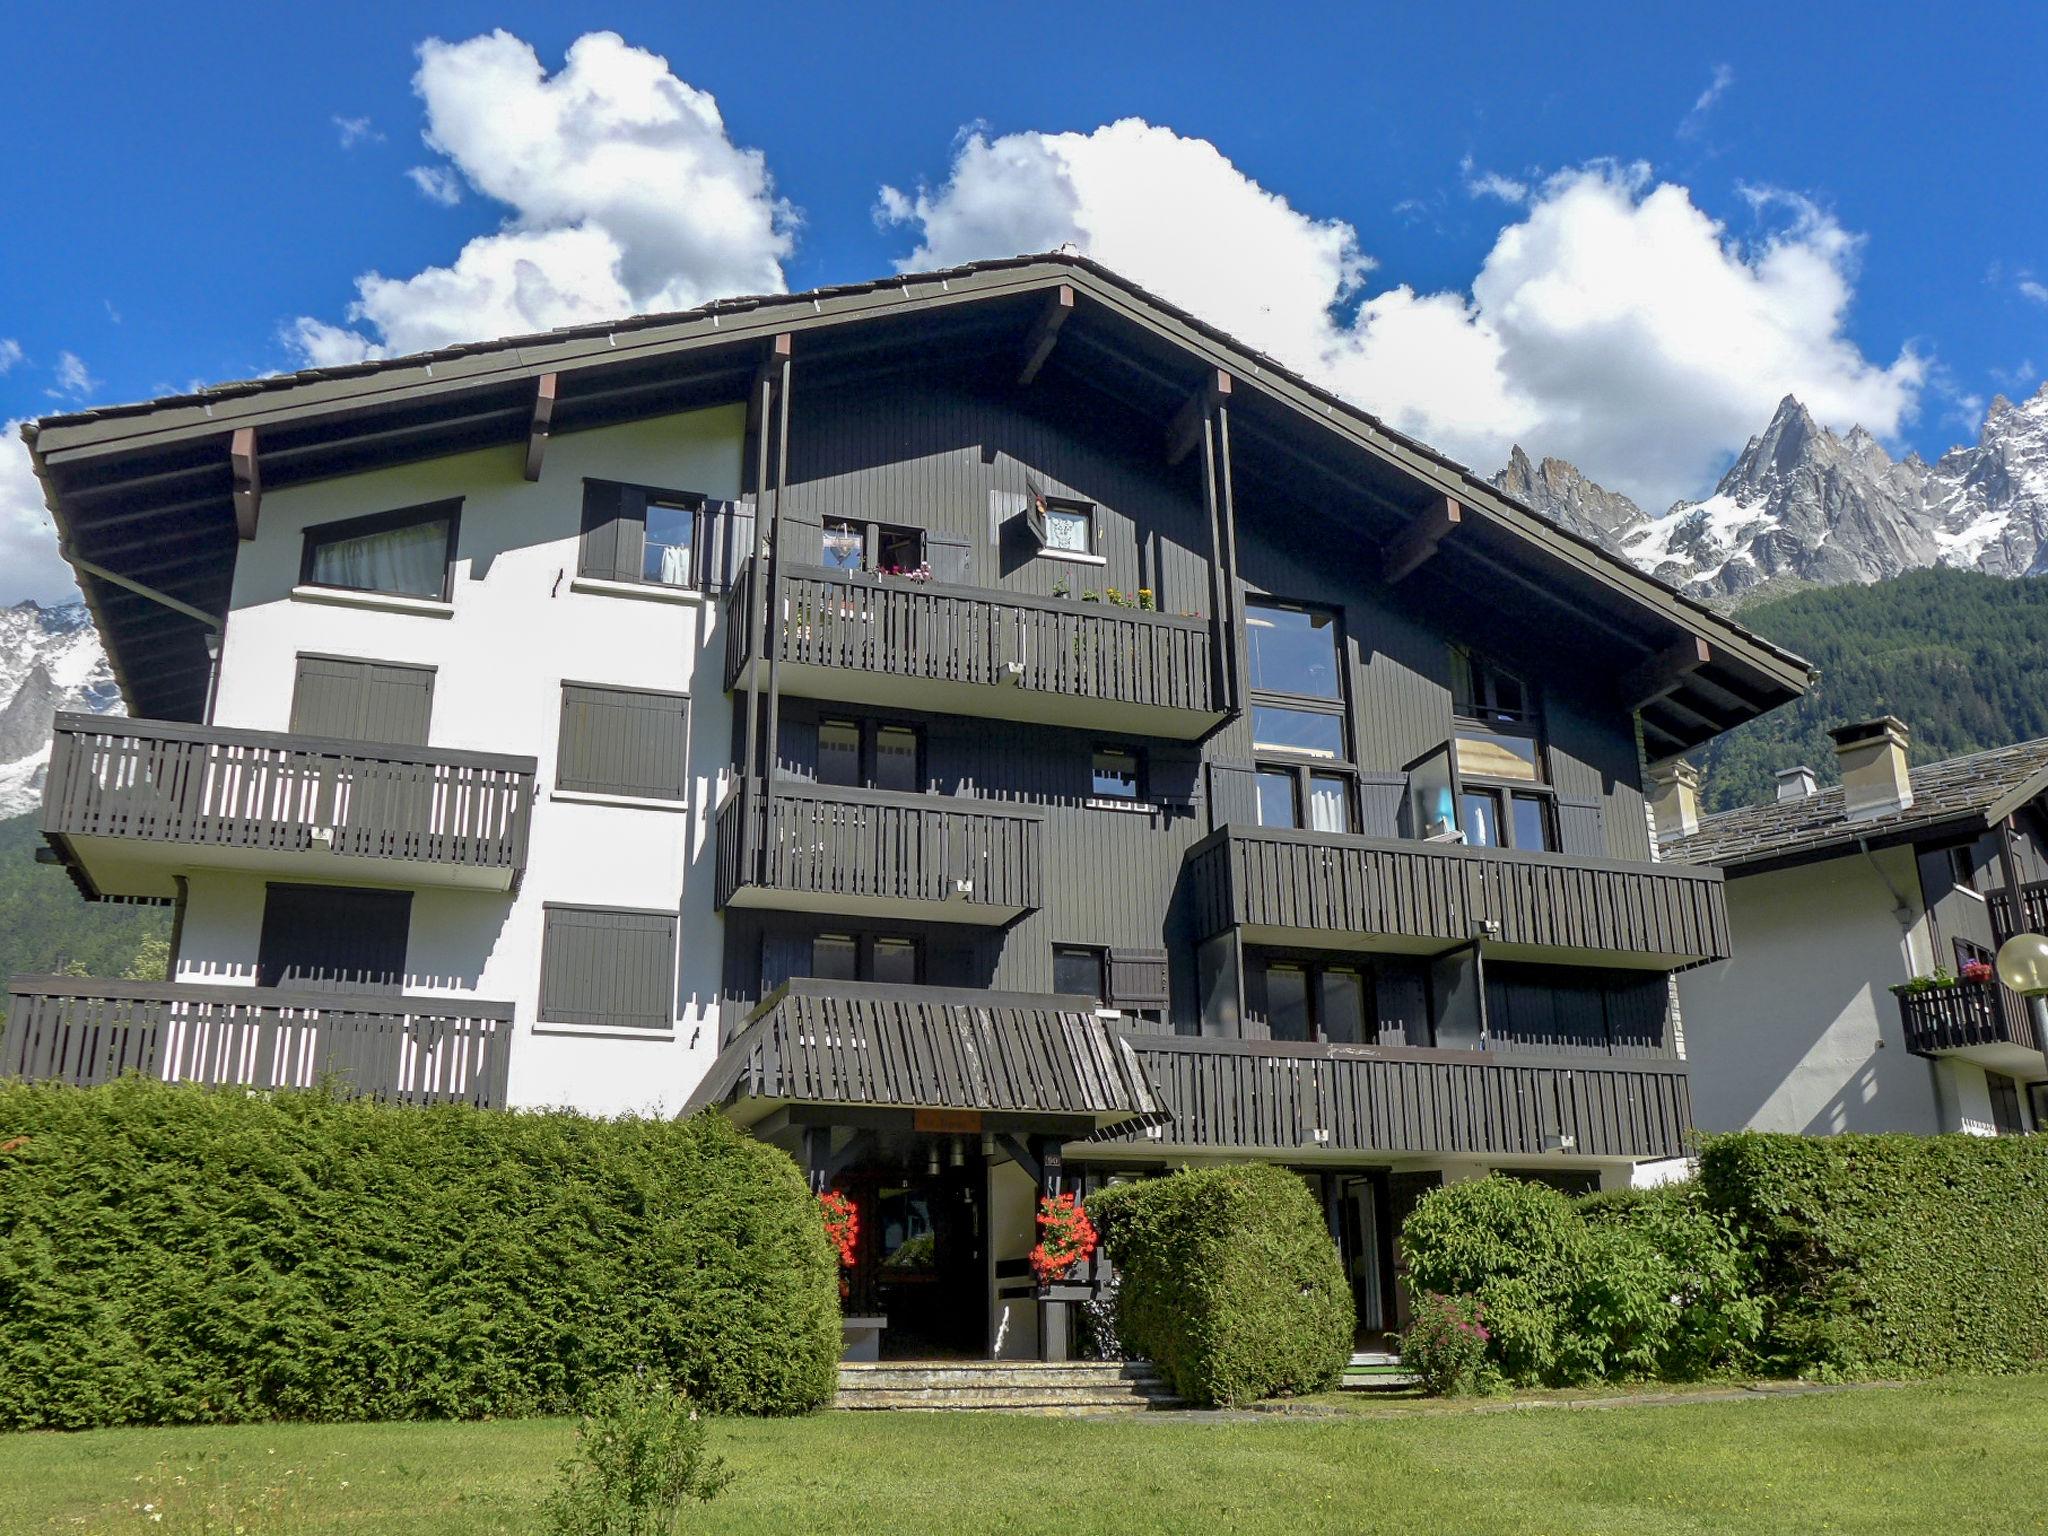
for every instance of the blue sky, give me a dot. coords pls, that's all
(1618, 239)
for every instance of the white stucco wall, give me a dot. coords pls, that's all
(518, 630)
(1798, 1032)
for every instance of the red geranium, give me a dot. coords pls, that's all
(1066, 1237)
(1977, 970)
(842, 1223)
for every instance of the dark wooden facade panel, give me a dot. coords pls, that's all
(414, 1050)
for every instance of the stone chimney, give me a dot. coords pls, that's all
(1675, 799)
(1875, 780)
(1795, 783)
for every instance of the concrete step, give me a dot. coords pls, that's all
(992, 1374)
(1076, 1399)
(1018, 1386)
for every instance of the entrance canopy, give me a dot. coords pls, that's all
(867, 1051)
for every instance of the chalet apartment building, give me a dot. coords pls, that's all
(1846, 906)
(984, 731)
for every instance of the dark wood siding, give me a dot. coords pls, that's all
(623, 741)
(609, 967)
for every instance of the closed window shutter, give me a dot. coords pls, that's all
(614, 528)
(605, 967)
(623, 741)
(951, 560)
(1137, 978)
(1581, 826)
(354, 700)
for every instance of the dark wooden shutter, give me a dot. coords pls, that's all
(1380, 796)
(1581, 826)
(1034, 517)
(951, 560)
(319, 938)
(1233, 794)
(356, 700)
(1137, 978)
(623, 741)
(614, 531)
(608, 967)
(727, 531)
(1175, 775)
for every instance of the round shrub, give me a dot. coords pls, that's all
(170, 1254)
(1229, 1282)
(1444, 1345)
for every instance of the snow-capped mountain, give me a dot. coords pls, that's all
(1804, 503)
(50, 660)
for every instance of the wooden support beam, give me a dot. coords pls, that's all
(1659, 676)
(1414, 544)
(543, 419)
(248, 473)
(1185, 431)
(769, 372)
(1045, 332)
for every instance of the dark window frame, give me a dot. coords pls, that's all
(677, 796)
(1316, 972)
(1140, 777)
(630, 511)
(872, 533)
(1098, 955)
(1304, 772)
(1090, 513)
(870, 728)
(1484, 716)
(2003, 1090)
(1305, 767)
(317, 535)
(864, 941)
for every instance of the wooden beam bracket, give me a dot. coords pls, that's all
(1416, 543)
(248, 473)
(773, 356)
(1045, 333)
(1659, 676)
(543, 420)
(1185, 430)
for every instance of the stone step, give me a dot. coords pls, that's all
(978, 1376)
(1068, 1399)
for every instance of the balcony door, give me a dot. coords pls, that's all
(324, 938)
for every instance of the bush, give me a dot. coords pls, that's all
(170, 1254)
(639, 1460)
(1444, 1346)
(1892, 1255)
(1711, 1316)
(1229, 1282)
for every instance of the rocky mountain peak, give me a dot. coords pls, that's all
(50, 660)
(1558, 491)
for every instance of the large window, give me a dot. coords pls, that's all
(408, 553)
(885, 957)
(859, 546)
(1304, 1000)
(1504, 799)
(870, 754)
(1294, 655)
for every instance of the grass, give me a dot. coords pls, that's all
(1914, 1458)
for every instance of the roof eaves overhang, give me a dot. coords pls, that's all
(1848, 841)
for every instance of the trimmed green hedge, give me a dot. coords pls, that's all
(1894, 1255)
(1229, 1282)
(175, 1255)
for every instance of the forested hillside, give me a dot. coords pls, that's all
(1961, 657)
(45, 927)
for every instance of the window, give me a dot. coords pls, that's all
(1307, 1000)
(846, 545)
(1962, 869)
(1292, 649)
(638, 534)
(1079, 972)
(1482, 691)
(358, 700)
(891, 958)
(869, 754)
(1118, 774)
(861, 546)
(623, 741)
(1329, 802)
(2005, 1104)
(898, 549)
(1531, 825)
(1308, 732)
(1279, 804)
(1504, 800)
(607, 967)
(1479, 818)
(408, 553)
(1061, 525)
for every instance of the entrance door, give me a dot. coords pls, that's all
(1363, 1248)
(921, 1256)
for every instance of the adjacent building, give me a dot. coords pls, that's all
(985, 731)
(1864, 920)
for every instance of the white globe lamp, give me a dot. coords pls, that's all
(2023, 964)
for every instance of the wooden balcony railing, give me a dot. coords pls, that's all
(1044, 648)
(1328, 883)
(154, 781)
(413, 1050)
(2033, 907)
(1230, 1095)
(1970, 1014)
(825, 848)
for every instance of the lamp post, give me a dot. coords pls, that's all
(2023, 964)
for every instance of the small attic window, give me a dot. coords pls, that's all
(1063, 526)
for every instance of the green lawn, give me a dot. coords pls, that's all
(1951, 1457)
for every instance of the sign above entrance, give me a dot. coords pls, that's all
(949, 1121)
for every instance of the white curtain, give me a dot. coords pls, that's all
(1326, 807)
(412, 561)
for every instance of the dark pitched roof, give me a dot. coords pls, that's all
(1960, 793)
(150, 480)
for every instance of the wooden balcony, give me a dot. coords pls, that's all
(869, 639)
(1397, 895)
(1978, 1021)
(2033, 910)
(862, 852)
(1306, 1100)
(130, 803)
(412, 1050)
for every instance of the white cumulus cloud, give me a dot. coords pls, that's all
(28, 539)
(625, 194)
(73, 379)
(1614, 323)
(437, 184)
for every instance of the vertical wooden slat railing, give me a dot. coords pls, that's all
(158, 781)
(2033, 907)
(970, 635)
(413, 1050)
(858, 844)
(1332, 883)
(1970, 1013)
